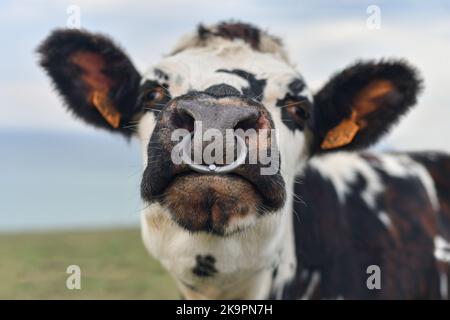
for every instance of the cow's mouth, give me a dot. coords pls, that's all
(219, 204)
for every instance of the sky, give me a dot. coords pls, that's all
(322, 37)
(57, 171)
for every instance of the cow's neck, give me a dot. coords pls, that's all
(254, 265)
(266, 278)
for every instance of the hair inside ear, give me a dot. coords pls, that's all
(93, 67)
(368, 100)
(99, 85)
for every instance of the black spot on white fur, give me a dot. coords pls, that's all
(296, 86)
(204, 266)
(161, 74)
(256, 87)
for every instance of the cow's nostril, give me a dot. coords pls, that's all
(246, 124)
(183, 120)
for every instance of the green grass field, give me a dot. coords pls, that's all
(114, 265)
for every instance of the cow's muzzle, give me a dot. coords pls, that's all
(220, 197)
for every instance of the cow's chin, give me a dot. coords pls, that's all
(217, 204)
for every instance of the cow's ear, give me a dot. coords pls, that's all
(96, 79)
(361, 103)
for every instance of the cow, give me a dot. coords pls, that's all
(333, 221)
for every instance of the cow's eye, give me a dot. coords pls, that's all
(153, 95)
(298, 110)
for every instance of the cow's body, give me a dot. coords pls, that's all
(357, 210)
(312, 227)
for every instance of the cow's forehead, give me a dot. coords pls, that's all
(222, 61)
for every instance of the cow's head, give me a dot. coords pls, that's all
(228, 76)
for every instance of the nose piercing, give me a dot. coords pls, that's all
(185, 148)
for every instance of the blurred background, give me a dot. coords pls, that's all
(59, 175)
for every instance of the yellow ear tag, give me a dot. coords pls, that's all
(106, 108)
(342, 134)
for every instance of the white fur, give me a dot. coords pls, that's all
(385, 219)
(441, 249)
(342, 168)
(145, 128)
(402, 166)
(312, 285)
(239, 257)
